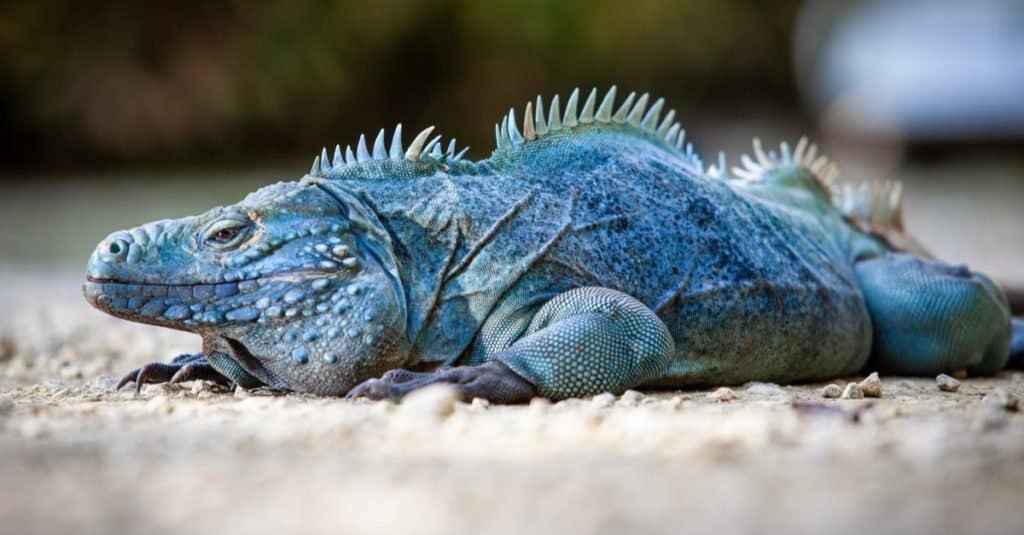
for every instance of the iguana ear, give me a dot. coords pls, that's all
(369, 230)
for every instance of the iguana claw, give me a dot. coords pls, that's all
(182, 368)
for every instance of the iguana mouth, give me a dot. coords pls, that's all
(193, 306)
(289, 276)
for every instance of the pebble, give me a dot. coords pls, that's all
(831, 391)
(70, 371)
(6, 406)
(241, 392)
(480, 404)
(994, 418)
(723, 394)
(629, 398)
(602, 401)
(160, 405)
(947, 383)
(872, 386)
(1001, 399)
(105, 382)
(33, 429)
(852, 391)
(433, 402)
(765, 389)
(539, 405)
(7, 348)
(631, 395)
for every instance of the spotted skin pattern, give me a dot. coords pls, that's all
(591, 252)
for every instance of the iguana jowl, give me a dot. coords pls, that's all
(591, 252)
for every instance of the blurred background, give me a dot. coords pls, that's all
(115, 113)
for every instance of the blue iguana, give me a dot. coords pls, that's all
(591, 252)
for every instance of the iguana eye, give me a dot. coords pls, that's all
(226, 233)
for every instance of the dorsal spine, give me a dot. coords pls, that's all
(632, 112)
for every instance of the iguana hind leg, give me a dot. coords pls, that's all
(930, 317)
(581, 342)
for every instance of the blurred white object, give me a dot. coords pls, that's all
(916, 69)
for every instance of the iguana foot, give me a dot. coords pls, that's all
(493, 381)
(182, 368)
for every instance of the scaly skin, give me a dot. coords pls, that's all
(591, 252)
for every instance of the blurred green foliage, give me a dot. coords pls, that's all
(127, 82)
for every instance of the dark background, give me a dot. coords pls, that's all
(100, 85)
(116, 113)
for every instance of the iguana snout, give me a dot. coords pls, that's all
(289, 276)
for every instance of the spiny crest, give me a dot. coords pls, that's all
(422, 145)
(632, 111)
(804, 156)
(876, 208)
(873, 205)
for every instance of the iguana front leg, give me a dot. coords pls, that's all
(215, 366)
(582, 342)
(186, 367)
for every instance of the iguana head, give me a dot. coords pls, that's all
(299, 279)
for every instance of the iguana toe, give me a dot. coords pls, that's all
(196, 372)
(187, 367)
(493, 381)
(154, 372)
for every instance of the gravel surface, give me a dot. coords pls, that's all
(757, 458)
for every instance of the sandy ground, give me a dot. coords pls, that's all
(77, 457)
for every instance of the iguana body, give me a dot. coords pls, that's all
(591, 252)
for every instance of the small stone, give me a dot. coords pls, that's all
(7, 348)
(105, 382)
(241, 392)
(994, 418)
(765, 389)
(434, 402)
(539, 405)
(602, 401)
(33, 429)
(160, 405)
(199, 387)
(831, 391)
(872, 386)
(675, 402)
(1001, 399)
(480, 404)
(6, 406)
(947, 383)
(852, 391)
(723, 394)
(631, 396)
(70, 371)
